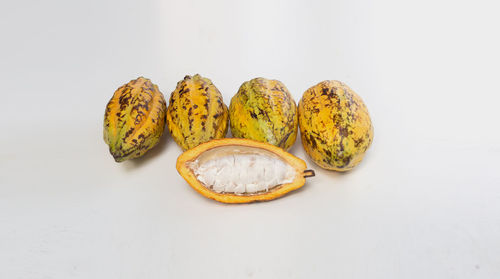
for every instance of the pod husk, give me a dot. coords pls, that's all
(298, 164)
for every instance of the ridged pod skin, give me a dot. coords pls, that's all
(196, 112)
(134, 119)
(191, 155)
(335, 126)
(264, 110)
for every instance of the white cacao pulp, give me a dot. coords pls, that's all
(241, 170)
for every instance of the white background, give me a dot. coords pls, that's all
(424, 203)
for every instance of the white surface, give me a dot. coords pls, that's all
(233, 170)
(425, 202)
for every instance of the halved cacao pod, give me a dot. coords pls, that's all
(236, 170)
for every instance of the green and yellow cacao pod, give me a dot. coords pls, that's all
(134, 119)
(335, 126)
(265, 111)
(196, 112)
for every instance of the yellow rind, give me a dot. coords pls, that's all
(298, 164)
(134, 119)
(264, 110)
(196, 112)
(335, 126)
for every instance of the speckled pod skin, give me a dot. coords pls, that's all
(263, 110)
(134, 119)
(335, 126)
(196, 112)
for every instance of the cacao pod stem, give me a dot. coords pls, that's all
(309, 173)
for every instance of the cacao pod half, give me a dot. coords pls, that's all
(236, 170)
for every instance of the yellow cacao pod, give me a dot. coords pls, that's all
(134, 119)
(196, 112)
(241, 171)
(265, 111)
(335, 126)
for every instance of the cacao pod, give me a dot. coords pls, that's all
(196, 112)
(236, 170)
(134, 119)
(265, 111)
(335, 126)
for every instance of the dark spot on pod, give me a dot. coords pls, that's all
(345, 161)
(141, 138)
(128, 133)
(324, 91)
(278, 88)
(124, 99)
(358, 142)
(349, 98)
(285, 138)
(190, 111)
(343, 131)
(204, 116)
(195, 106)
(253, 115)
(312, 141)
(138, 119)
(144, 147)
(328, 153)
(332, 94)
(337, 99)
(118, 114)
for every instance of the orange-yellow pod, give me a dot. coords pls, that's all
(234, 170)
(196, 112)
(335, 125)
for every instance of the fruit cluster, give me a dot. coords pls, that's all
(335, 128)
